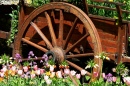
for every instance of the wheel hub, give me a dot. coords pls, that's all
(57, 54)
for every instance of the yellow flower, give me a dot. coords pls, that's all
(52, 74)
(1, 79)
(11, 72)
(48, 73)
(6, 73)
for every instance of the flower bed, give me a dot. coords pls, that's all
(28, 73)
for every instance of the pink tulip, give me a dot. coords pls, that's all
(35, 67)
(114, 79)
(42, 71)
(103, 75)
(78, 76)
(25, 68)
(66, 71)
(95, 74)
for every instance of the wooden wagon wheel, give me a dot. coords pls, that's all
(62, 30)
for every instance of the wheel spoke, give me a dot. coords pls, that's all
(77, 67)
(42, 35)
(82, 38)
(70, 33)
(34, 59)
(60, 37)
(80, 55)
(34, 45)
(53, 36)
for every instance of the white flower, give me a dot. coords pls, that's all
(48, 81)
(83, 72)
(58, 74)
(33, 75)
(20, 72)
(38, 72)
(52, 74)
(4, 69)
(2, 74)
(46, 77)
(51, 68)
(72, 72)
(13, 68)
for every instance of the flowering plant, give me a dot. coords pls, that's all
(50, 75)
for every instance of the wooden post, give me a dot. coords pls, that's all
(85, 6)
(121, 29)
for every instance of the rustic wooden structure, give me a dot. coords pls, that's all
(65, 32)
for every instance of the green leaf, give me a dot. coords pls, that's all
(87, 77)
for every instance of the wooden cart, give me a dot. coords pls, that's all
(65, 32)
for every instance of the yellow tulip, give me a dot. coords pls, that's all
(1, 79)
(48, 73)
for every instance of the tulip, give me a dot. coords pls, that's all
(35, 67)
(103, 75)
(52, 74)
(48, 81)
(127, 80)
(58, 74)
(96, 74)
(2, 74)
(13, 68)
(83, 72)
(37, 72)
(66, 71)
(33, 75)
(72, 72)
(51, 68)
(78, 76)
(25, 68)
(42, 71)
(46, 77)
(20, 72)
(114, 79)
(4, 69)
